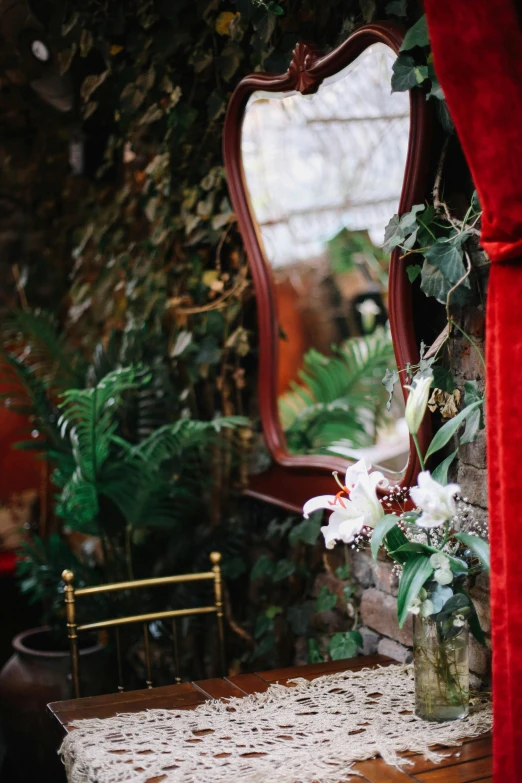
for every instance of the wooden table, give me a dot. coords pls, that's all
(469, 763)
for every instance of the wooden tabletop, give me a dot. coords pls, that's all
(469, 763)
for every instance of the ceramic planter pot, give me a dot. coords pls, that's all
(35, 675)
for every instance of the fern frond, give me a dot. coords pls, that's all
(35, 338)
(339, 396)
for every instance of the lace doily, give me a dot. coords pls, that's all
(309, 733)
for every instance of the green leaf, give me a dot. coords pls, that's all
(416, 547)
(440, 473)
(393, 234)
(284, 568)
(262, 626)
(447, 255)
(472, 427)
(342, 571)
(478, 546)
(273, 611)
(345, 645)
(448, 430)
(397, 8)
(326, 600)
(417, 35)
(404, 74)
(394, 540)
(409, 220)
(381, 529)
(473, 620)
(415, 572)
(444, 379)
(265, 646)
(435, 284)
(391, 377)
(368, 9)
(264, 566)
(413, 271)
(308, 530)
(314, 653)
(298, 617)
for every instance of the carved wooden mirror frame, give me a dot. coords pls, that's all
(292, 479)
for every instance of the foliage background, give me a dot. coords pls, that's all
(141, 242)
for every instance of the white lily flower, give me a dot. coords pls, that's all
(417, 403)
(436, 501)
(341, 527)
(350, 514)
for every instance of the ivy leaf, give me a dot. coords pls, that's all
(413, 271)
(435, 284)
(393, 234)
(308, 530)
(447, 255)
(436, 89)
(440, 473)
(397, 8)
(314, 653)
(284, 568)
(404, 77)
(368, 9)
(381, 529)
(326, 600)
(262, 626)
(264, 566)
(342, 572)
(265, 646)
(298, 617)
(448, 430)
(415, 571)
(407, 74)
(391, 377)
(478, 546)
(417, 35)
(444, 379)
(409, 219)
(345, 645)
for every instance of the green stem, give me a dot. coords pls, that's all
(471, 340)
(419, 452)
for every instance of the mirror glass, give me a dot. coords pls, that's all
(324, 174)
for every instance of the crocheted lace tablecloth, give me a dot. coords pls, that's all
(309, 733)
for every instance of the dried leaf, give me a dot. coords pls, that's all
(91, 83)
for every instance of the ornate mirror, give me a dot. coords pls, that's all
(318, 160)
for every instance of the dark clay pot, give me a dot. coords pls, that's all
(34, 676)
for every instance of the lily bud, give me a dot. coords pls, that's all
(417, 403)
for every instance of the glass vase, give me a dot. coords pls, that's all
(441, 671)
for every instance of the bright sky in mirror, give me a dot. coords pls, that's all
(333, 160)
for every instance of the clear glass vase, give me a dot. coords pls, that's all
(441, 671)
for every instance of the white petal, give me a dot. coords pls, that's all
(349, 528)
(314, 504)
(354, 471)
(428, 521)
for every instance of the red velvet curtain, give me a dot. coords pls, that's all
(477, 48)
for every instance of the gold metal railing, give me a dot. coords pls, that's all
(71, 594)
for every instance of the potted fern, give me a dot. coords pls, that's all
(119, 482)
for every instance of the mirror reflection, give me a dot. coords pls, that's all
(324, 175)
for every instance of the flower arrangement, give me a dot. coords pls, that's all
(437, 546)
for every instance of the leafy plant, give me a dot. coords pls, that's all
(339, 398)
